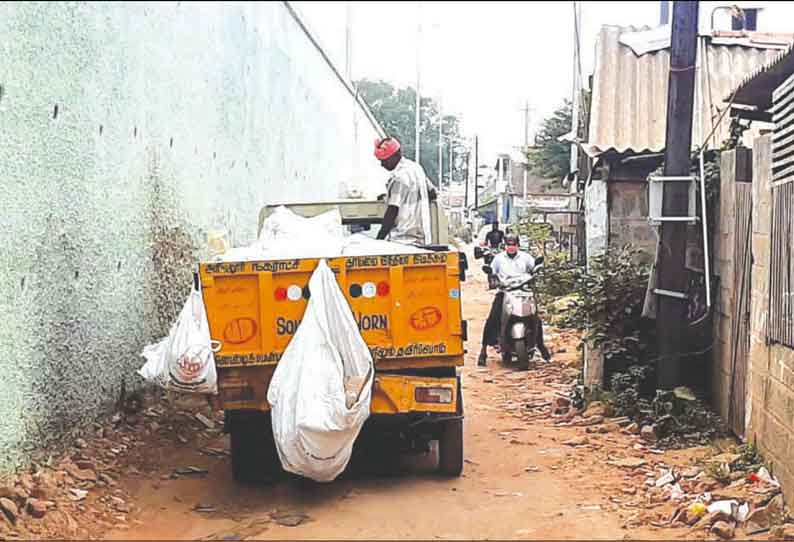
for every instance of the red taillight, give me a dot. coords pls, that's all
(383, 289)
(280, 294)
(433, 395)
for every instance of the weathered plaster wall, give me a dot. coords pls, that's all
(770, 378)
(127, 131)
(596, 218)
(725, 295)
(628, 216)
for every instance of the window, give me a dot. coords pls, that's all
(744, 19)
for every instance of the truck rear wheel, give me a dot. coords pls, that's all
(254, 456)
(450, 448)
(450, 442)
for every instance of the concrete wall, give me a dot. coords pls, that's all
(596, 212)
(628, 216)
(770, 379)
(724, 296)
(129, 130)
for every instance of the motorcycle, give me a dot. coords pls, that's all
(519, 317)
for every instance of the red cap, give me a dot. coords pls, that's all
(386, 148)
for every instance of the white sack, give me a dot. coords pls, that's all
(184, 359)
(286, 234)
(314, 428)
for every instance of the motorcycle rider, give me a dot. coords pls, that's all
(495, 237)
(510, 263)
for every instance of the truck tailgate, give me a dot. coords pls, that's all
(407, 307)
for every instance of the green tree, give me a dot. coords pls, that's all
(551, 158)
(395, 109)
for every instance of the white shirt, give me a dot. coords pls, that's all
(408, 191)
(505, 267)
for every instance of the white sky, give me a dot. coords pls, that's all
(484, 59)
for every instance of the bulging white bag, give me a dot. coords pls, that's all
(316, 413)
(184, 360)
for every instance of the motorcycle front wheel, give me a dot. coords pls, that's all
(522, 353)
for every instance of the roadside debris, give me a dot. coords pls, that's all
(209, 424)
(289, 519)
(189, 471)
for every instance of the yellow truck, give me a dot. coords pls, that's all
(408, 309)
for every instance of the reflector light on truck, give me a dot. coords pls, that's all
(433, 395)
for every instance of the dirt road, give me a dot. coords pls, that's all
(519, 481)
(158, 472)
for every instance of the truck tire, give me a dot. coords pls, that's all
(254, 456)
(450, 442)
(522, 354)
(450, 448)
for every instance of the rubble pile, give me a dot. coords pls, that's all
(724, 495)
(80, 494)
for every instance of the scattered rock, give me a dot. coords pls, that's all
(782, 532)
(667, 478)
(209, 424)
(723, 529)
(632, 429)
(289, 519)
(9, 509)
(204, 509)
(85, 465)
(26, 482)
(629, 462)
(692, 513)
(81, 443)
(37, 508)
(7, 492)
(648, 433)
(83, 475)
(767, 516)
(190, 471)
(78, 494)
(685, 394)
(592, 420)
(596, 408)
(107, 479)
(562, 402)
(726, 458)
(41, 493)
(576, 441)
(690, 472)
(120, 505)
(629, 490)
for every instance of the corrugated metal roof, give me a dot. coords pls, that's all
(629, 103)
(756, 89)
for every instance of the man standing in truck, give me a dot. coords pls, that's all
(407, 218)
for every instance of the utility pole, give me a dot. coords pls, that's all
(466, 190)
(526, 147)
(671, 272)
(349, 40)
(440, 146)
(476, 173)
(451, 161)
(664, 12)
(418, 78)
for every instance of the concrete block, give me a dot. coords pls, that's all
(775, 438)
(780, 403)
